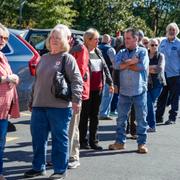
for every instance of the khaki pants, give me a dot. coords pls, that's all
(74, 136)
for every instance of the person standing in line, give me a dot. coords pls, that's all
(81, 54)
(170, 47)
(108, 53)
(133, 62)
(156, 81)
(9, 105)
(53, 114)
(90, 108)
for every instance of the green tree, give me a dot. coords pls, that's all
(9, 12)
(46, 14)
(107, 16)
(158, 13)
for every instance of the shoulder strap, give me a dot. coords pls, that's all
(63, 64)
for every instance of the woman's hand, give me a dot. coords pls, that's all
(111, 89)
(76, 107)
(13, 78)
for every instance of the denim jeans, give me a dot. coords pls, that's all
(114, 102)
(56, 121)
(105, 105)
(152, 96)
(3, 132)
(124, 106)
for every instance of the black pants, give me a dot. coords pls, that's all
(169, 96)
(90, 110)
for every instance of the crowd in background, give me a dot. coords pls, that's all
(134, 81)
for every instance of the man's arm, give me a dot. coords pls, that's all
(128, 63)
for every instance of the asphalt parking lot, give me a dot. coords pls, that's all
(161, 163)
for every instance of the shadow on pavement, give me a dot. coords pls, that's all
(104, 152)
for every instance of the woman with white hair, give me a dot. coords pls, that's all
(8, 95)
(170, 47)
(51, 114)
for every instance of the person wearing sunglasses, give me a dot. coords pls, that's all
(170, 47)
(9, 105)
(156, 81)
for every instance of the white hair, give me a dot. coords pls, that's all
(173, 25)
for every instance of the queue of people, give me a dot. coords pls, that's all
(141, 72)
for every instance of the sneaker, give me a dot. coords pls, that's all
(151, 130)
(57, 176)
(33, 173)
(2, 177)
(142, 149)
(169, 122)
(73, 164)
(116, 146)
(96, 147)
(84, 146)
(105, 118)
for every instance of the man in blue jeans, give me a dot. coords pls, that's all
(133, 63)
(170, 47)
(108, 53)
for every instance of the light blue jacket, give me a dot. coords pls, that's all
(171, 51)
(133, 83)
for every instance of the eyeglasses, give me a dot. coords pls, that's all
(145, 42)
(3, 38)
(152, 45)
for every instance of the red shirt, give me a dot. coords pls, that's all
(96, 68)
(8, 97)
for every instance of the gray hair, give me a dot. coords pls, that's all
(5, 30)
(106, 38)
(90, 34)
(63, 34)
(173, 25)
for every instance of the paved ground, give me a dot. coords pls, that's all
(161, 163)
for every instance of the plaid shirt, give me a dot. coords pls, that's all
(8, 97)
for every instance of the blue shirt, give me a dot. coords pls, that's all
(133, 83)
(171, 51)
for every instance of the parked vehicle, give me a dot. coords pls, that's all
(37, 38)
(23, 59)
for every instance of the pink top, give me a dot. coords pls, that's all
(8, 97)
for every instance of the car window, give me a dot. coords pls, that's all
(6, 49)
(36, 39)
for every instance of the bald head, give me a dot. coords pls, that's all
(106, 38)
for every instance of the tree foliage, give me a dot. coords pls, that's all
(107, 16)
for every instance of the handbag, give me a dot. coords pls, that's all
(61, 87)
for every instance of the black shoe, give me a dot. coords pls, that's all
(49, 163)
(169, 122)
(96, 147)
(105, 118)
(33, 173)
(84, 146)
(11, 127)
(159, 120)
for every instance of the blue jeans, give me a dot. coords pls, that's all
(124, 106)
(105, 102)
(56, 121)
(3, 132)
(152, 96)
